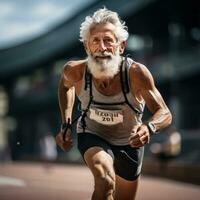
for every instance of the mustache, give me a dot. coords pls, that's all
(102, 54)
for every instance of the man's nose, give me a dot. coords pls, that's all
(102, 46)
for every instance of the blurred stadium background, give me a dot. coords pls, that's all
(38, 37)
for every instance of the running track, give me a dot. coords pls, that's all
(34, 181)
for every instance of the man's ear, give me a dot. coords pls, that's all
(122, 47)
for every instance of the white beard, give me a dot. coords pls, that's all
(106, 68)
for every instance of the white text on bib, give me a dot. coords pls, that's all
(106, 117)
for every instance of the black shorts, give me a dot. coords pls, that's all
(127, 160)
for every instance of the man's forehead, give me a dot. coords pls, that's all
(106, 28)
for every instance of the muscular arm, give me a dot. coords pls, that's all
(161, 117)
(146, 89)
(66, 93)
(62, 90)
(66, 97)
(143, 88)
(71, 75)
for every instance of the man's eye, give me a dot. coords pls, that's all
(108, 41)
(95, 41)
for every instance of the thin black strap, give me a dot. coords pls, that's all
(125, 76)
(87, 77)
(125, 86)
(76, 118)
(89, 103)
(108, 104)
(67, 126)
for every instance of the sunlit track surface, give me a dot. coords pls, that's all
(28, 181)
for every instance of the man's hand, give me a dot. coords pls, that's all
(140, 136)
(65, 144)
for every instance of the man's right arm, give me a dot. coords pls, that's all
(62, 91)
(66, 97)
(71, 75)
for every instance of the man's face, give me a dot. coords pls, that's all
(103, 49)
(102, 40)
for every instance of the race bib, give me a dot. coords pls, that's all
(106, 117)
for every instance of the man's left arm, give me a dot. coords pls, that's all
(161, 115)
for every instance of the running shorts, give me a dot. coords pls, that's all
(127, 160)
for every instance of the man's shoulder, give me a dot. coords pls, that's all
(73, 70)
(138, 69)
(140, 73)
(74, 65)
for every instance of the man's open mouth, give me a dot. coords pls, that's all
(102, 57)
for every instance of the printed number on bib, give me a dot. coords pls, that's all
(106, 117)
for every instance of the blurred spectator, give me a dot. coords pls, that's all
(47, 146)
(170, 148)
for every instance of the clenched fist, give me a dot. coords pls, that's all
(65, 143)
(139, 136)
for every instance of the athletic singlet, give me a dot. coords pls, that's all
(113, 121)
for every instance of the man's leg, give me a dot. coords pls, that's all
(101, 165)
(125, 190)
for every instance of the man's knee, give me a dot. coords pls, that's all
(101, 165)
(104, 179)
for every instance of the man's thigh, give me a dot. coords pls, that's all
(97, 154)
(87, 141)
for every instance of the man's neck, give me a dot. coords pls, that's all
(105, 82)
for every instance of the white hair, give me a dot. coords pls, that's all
(102, 16)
